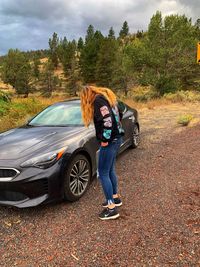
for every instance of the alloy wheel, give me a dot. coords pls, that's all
(79, 177)
(135, 136)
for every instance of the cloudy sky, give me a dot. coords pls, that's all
(28, 24)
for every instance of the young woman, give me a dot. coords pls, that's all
(100, 106)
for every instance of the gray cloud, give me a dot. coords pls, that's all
(35, 8)
(192, 7)
(28, 24)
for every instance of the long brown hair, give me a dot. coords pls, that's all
(88, 95)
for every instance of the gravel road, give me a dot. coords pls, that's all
(160, 217)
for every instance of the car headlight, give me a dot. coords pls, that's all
(44, 161)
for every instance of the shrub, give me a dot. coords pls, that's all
(5, 100)
(23, 107)
(19, 111)
(183, 96)
(166, 84)
(184, 120)
(143, 94)
(5, 97)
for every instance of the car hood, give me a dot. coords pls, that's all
(23, 141)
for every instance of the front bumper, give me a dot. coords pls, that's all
(32, 187)
(25, 203)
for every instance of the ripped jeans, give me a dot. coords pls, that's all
(106, 168)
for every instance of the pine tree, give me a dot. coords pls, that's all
(89, 54)
(90, 33)
(16, 71)
(140, 34)
(53, 49)
(111, 33)
(36, 70)
(62, 47)
(125, 30)
(68, 57)
(80, 43)
(73, 79)
(106, 62)
(48, 79)
(197, 27)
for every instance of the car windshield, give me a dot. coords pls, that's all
(59, 115)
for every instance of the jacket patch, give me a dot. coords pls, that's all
(107, 122)
(107, 134)
(104, 111)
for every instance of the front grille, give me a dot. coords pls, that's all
(45, 186)
(9, 173)
(12, 196)
(16, 191)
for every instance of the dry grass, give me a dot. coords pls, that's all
(150, 104)
(57, 72)
(22, 109)
(4, 86)
(44, 60)
(42, 100)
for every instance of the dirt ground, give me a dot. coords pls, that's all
(160, 217)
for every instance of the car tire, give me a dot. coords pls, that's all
(135, 136)
(77, 178)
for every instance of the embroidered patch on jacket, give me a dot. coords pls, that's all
(104, 110)
(107, 122)
(107, 134)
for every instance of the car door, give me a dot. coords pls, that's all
(93, 147)
(126, 124)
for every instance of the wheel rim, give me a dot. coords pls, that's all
(79, 177)
(136, 136)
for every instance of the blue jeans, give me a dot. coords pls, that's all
(106, 168)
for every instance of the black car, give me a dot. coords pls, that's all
(54, 156)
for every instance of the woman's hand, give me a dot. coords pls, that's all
(104, 144)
